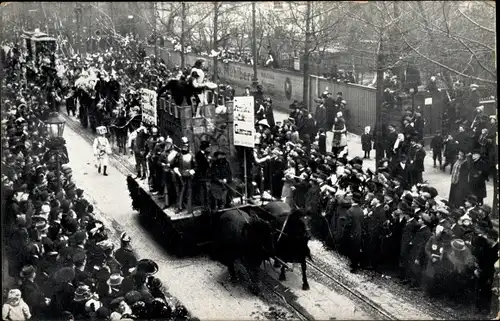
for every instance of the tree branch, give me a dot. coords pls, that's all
(446, 67)
(475, 23)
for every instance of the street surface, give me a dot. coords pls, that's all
(199, 283)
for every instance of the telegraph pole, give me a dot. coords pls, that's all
(183, 26)
(305, 88)
(216, 31)
(255, 80)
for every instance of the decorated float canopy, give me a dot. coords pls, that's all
(38, 43)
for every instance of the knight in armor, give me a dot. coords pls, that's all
(169, 182)
(102, 149)
(202, 159)
(184, 166)
(137, 145)
(150, 146)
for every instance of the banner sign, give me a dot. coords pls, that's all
(244, 122)
(148, 106)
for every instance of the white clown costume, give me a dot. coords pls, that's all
(102, 149)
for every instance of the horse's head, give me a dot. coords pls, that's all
(299, 224)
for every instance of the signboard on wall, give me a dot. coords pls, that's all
(244, 122)
(148, 106)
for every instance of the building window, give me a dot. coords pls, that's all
(278, 4)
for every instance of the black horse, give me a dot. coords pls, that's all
(244, 237)
(293, 234)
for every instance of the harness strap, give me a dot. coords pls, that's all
(283, 227)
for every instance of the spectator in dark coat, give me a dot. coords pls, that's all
(269, 114)
(419, 124)
(320, 116)
(322, 141)
(330, 111)
(478, 175)
(416, 156)
(402, 169)
(450, 152)
(307, 126)
(125, 256)
(390, 139)
(366, 142)
(459, 188)
(463, 139)
(417, 252)
(31, 294)
(437, 144)
(355, 217)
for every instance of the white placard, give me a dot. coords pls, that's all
(148, 106)
(244, 121)
(428, 101)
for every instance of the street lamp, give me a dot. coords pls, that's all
(55, 129)
(55, 125)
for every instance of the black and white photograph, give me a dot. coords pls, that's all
(249, 160)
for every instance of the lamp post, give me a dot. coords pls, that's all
(55, 129)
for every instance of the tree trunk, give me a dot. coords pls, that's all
(305, 88)
(379, 126)
(255, 79)
(215, 42)
(183, 27)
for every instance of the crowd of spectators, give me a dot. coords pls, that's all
(61, 256)
(390, 219)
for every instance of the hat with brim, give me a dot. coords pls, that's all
(147, 266)
(64, 275)
(458, 245)
(115, 280)
(133, 297)
(263, 122)
(82, 293)
(27, 271)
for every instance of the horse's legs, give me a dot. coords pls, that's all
(305, 284)
(282, 274)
